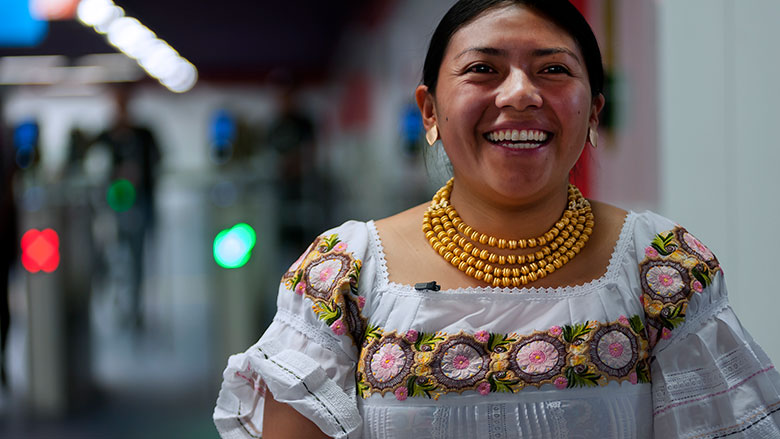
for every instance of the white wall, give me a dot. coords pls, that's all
(719, 89)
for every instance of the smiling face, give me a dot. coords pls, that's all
(512, 106)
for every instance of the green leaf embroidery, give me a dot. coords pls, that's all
(419, 386)
(583, 379)
(674, 318)
(427, 339)
(702, 274)
(373, 332)
(502, 384)
(663, 243)
(354, 275)
(330, 242)
(362, 387)
(327, 312)
(636, 324)
(496, 340)
(642, 372)
(572, 333)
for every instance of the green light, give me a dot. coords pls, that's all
(121, 195)
(233, 246)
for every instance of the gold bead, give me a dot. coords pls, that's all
(532, 276)
(511, 259)
(539, 254)
(475, 236)
(497, 282)
(442, 250)
(483, 238)
(492, 241)
(516, 272)
(488, 269)
(471, 260)
(479, 275)
(462, 266)
(470, 271)
(505, 282)
(522, 243)
(516, 282)
(502, 260)
(533, 267)
(448, 256)
(488, 278)
(502, 243)
(532, 242)
(429, 234)
(484, 254)
(467, 248)
(512, 244)
(480, 265)
(506, 272)
(557, 263)
(493, 258)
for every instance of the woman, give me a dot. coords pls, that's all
(550, 316)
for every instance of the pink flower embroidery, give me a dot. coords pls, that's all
(555, 331)
(323, 275)
(411, 336)
(461, 362)
(338, 327)
(664, 280)
(632, 378)
(697, 286)
(387, 362)
(666, 333)
(401, 393)
(483, 388)
(623, 320)
(300, 288)
(698, 247)
(561, 382)
(361, 302)
(341, 247)
(482, 336)
(537, 357)
(651, 252)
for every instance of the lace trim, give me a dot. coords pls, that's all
(558, 418)
(687, 392)
(496, 421)
(441, 418)
(308, 330)
(756, 421)
(618, 253)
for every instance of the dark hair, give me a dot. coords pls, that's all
(560, 12)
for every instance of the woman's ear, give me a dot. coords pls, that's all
(596, 106)
(427, 106)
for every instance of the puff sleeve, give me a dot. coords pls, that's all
(709, 378)
(308, 354)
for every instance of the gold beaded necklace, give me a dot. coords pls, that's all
(459, 243)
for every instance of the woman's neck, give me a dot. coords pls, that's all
(510, 221)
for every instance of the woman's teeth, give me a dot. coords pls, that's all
(531, 138)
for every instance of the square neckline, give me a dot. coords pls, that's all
(618, 253)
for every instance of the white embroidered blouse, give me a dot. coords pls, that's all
(651, 349)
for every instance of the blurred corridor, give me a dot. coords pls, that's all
(149, 205)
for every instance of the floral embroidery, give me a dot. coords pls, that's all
(328, 275)
(676, 265)
(420, 364)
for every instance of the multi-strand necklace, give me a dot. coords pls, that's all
(461, 245)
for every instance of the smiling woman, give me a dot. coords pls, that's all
(550, 315)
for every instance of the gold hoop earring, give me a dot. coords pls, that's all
(432, 135)
(593, 137)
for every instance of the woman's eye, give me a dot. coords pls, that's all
(480, 68)
(556, 69)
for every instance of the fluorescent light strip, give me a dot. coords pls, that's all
(136, 41)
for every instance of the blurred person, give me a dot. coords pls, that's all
(510, 305)
(291, 136)
(135, 156)
(8, 244)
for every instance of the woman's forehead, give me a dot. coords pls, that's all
(502, 28)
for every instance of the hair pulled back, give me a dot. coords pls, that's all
(560, 12)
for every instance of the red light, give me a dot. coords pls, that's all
(40, 250)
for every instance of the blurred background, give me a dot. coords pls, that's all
(163, 162)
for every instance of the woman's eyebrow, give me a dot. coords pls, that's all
(536, 52)
(483, 50)
(554, 51)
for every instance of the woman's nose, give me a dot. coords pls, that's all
(518, 91)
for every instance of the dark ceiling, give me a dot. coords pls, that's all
(231, 40)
